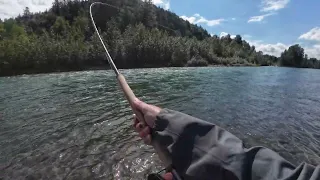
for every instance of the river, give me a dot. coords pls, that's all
(77, 125)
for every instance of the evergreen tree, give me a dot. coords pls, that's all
(137, 34)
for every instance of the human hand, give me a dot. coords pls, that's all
(149, 113)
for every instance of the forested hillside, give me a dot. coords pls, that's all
(138, 34)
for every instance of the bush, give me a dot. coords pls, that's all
(234, 61)
(197, 61)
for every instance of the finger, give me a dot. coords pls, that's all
(145, 132)
(140, 105)
(135, 120)
(139, 127)
(168, 176)
(147, 140)
(140, 117)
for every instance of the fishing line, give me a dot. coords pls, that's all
(130, 95)
(113, 66)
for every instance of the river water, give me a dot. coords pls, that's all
(77, 125)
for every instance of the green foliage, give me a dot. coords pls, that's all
(149, 15)
(61, 27)
(10, 29)
(26, 12)
(179, 56)
(293, 57)
(137, 34)
(2, 31)
(238, 39)
(197, 61)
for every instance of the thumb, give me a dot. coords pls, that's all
(147, 111)
(140, 108)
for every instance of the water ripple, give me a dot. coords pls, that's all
(77, 125)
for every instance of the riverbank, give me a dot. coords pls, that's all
(107, 67)
(30, 72)
(234, 65)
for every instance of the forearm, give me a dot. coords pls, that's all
(201, 150)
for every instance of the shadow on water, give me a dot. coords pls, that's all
(78, 125)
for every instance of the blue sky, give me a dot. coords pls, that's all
(270, 25)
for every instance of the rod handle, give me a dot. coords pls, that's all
(131, 97)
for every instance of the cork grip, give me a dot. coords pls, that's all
(131, 97)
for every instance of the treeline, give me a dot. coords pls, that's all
(137, 33)
(295, 57)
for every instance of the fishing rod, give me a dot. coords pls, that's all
(130, 96)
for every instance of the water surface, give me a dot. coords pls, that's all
(77, 125)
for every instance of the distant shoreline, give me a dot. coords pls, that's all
(32, 72)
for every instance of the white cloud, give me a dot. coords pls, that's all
(197, 15)
(157, 2)
(222, 34)
(313, 52)
(259, 18)
(190, 19)
(247, 36)
(198, 19)
(233, 19)
(273, 5)
(212, 22)
(12, 8)
(270, 6)
(313, 34)
(271, 49)
(277, 48)
(165, 4)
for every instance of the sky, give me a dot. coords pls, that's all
(270, 25)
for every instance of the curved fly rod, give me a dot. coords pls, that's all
(131, 96)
